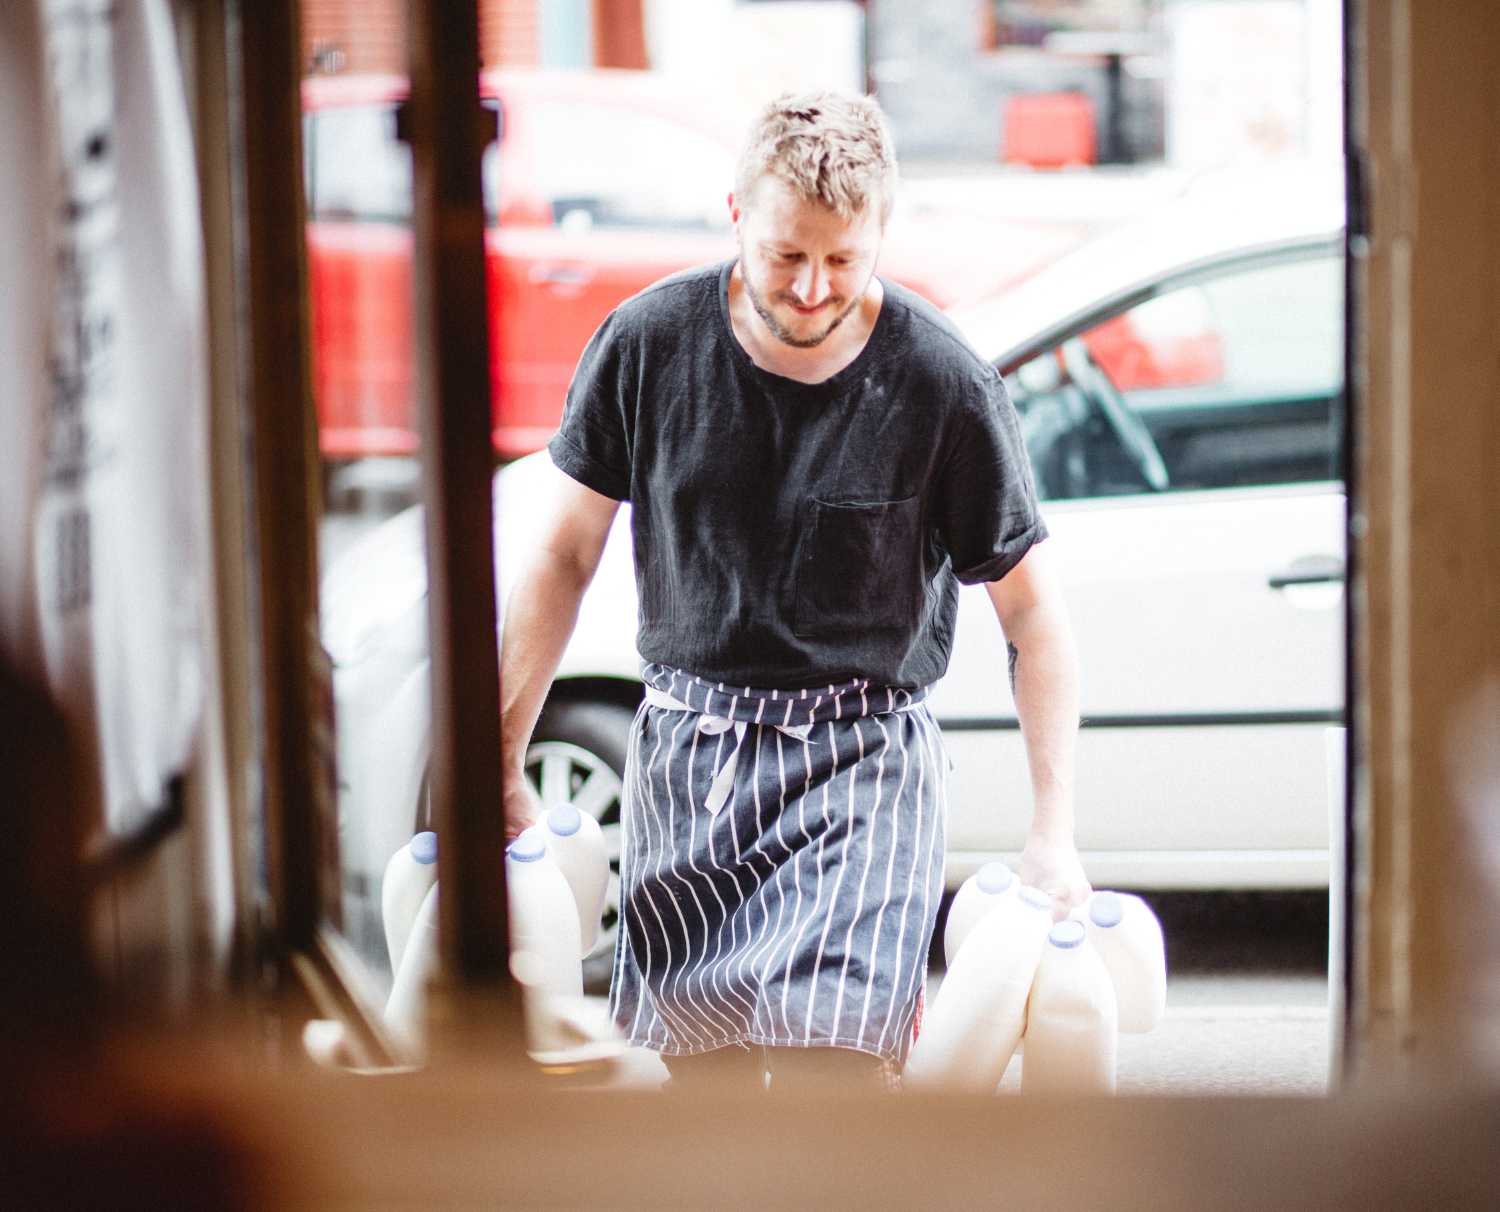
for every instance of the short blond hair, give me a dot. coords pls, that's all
(831, 148)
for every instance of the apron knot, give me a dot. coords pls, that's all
(714, 725)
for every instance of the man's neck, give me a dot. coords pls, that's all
(815, 363)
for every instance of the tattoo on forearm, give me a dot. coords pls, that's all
(1012, 653)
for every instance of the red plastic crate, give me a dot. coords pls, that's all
(1049, 130)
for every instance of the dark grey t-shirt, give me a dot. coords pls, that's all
(792, 535)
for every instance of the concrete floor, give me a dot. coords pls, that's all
(1223, 1036)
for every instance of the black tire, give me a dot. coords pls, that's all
(591, 736)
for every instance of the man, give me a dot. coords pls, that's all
(815, 460)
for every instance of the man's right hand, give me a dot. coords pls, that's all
(521, 805)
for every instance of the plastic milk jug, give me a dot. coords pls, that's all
(406, 1008)
(576, 844)
(1127, 936)
(970, 1031)
(326, 1042)
(544, 939)
(975, 897)
(1071, 1021)
(408, 876)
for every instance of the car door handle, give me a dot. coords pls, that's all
(1309, 570)
(569, 277)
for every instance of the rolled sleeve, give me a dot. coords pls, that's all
(592, 445)
(588, 469)
(988, 516)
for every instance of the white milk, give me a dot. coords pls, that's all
(971, 1029)
(406, 1008)
(544, 936)
(327, 1043)
(1071, 1021)
(576, 844)
(408, 876)
(975, 897)
(1127, 936)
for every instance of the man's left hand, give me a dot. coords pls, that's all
(1052, 865)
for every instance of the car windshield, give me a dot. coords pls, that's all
(1213, 220)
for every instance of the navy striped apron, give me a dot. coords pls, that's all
(780, 868)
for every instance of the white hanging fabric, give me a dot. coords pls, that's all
(103, 541)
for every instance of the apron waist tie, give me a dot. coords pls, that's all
(714, 725)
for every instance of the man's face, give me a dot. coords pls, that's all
(804, 268)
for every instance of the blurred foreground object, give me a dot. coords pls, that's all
(1474, 765)
(74, 1131)
(103, 376)
(563, 1028)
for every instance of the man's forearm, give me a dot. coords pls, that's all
(1044, 676)
(539, 619)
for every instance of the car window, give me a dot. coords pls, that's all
(603, 167)
(357, 169)
(1233, 380)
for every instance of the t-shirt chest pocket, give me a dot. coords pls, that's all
(859, 566)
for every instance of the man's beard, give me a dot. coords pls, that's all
(780, 330)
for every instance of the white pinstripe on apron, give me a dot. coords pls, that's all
(780, 867)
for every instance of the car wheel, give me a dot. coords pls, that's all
(577, 756)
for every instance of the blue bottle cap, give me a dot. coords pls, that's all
(995, 878)
(564, 820)
(1036, 899)
(424, 848)
(1067, 934)
(529, 847)
(1106, 909)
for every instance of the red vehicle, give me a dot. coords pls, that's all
(601, 183)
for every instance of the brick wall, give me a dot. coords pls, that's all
(510, 33)
(619, 33)
(354, 35)
(369, 35)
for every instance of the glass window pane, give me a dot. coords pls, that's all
(372, 550)
(1237, 380)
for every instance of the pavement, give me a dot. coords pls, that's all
(1218, 1039)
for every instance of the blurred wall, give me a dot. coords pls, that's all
(740, 54)
(369, 35)
(943, 93)
(1253, 80)
(1230, 80)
